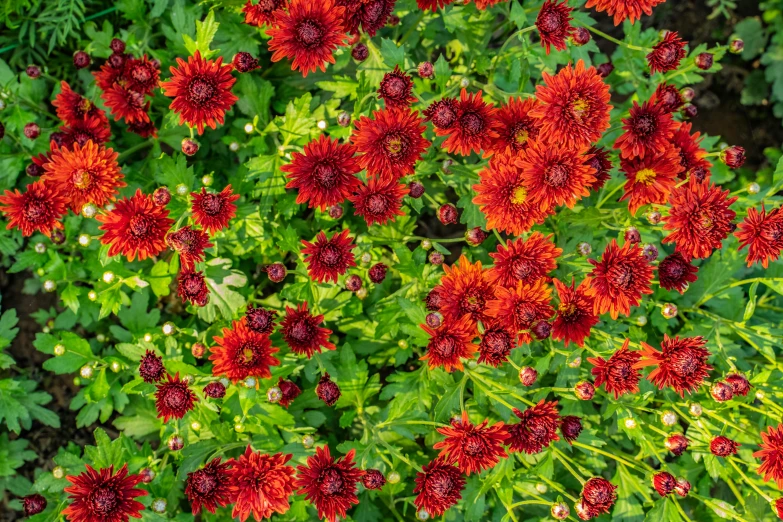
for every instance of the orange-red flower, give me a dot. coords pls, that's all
(380, 200)
(650, 179)
(213, 211)
(126, 104)
(624, 9)
(38, 208)
(73, 107)
(192, 287)
(91, 128)
(619, 279)
(260, 484)
(771, 455)
(648, 131)
(668, 96)
(301, 332)
(329, 484)
(450, 343)
(496, 343)
(242, 353)
(201, 90)
(667, 54)
(328, 258)
(575, 315)
(675, 272)
(516, 126)
(762, 233)
(189, 243)
(136, 227)
(619, 374)
(208, 487)
(263, 12)
(465, 290)
(473, 448)
(536, 429)
(141, 74)
(681, 364)
(692, 156)
(554, 25)
(391, 142)
(433, 5)
(526, 260)
(475, 127)
(520, 307)
(439, 486)
(173, 398)
(103, 495)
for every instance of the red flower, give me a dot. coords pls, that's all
(619, 374)
(103, 495)
(151, 367)
(650, 179)
(496, 344)
(619, 279)
(110, 73)
(289, 391)
(213, 211)
(525, 260)
(126, 104)
(475, 127)
(700, 218)
(396, 89)
(520, 307)
(739, 383)
(379, 201)
(667, 53)
(574, 109)
(141, 74)
(681, 363)
(189, 243)
(260, 484)
(391, 142)
(473, 448)
(721, 446)
(74, 108)
(677, 443)
(301, 332)
(600, 162)
(262, 13)
(669, 97)
(648, 131)
(554, 25)
(575, 315)
(482, 5)
(325, 174)
(692, 156)
(570, 427)
(771, 455)
(439, 486)
(372, 15)
(307, 34)
(536, 429)
(260, 320)
(598, 497)
(779, 508)
(763, 234)
(39, 208)
(327, 390)
(516, 126)
(442, 113)
(192, 287)
(675, 273)
(624, 9)
(555, 176)
(88, 174)
(136, 227)
(208, 487)
(326, 259)
(91, 128)
(465, 290)
(449, 343)
(433, 5)
(329, 484)
(242, 353)
(173, 398)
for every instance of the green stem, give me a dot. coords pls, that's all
(131, 150)
(732, 461)
(615, 40)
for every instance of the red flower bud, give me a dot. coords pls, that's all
(584, 390)
(448, 214)
(733, 157)
(528, 376)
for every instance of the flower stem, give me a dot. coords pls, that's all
(615, 40)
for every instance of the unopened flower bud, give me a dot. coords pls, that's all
(736, 46)
(584, 390)
(528, 376)
(704, 61)
(733, 157)
(175, 443)
(426, 70)
(344, 119)
(669, 310)
(448, 214)
(436, 258)
(584, 249)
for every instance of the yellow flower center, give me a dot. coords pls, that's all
(579, 108)
(645, 176)
(81, 179)
(394, 145)
(521, 136)
(519, 195)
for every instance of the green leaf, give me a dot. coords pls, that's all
(664, 509)
(392, 54)
(205, 33)
(220, 279)
(160, 278)
(518, 15)
(106, 452)
(8, 329)
(442, 72)
(70, 297)
(77, 352)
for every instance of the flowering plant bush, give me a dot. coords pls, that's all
(382, 260)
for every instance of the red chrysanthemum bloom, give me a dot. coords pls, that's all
(328, 258)
(173, 398)
(380, 200)
(475, 127)
(700, 218)
(329, 484)
(371, 15)
(391, 142)
(136, 227)
(260, 484)
(189, 243)
(574, 108)
(779, 507)
(242, 353)
(101, 495)
(301, 332)
(554, 25)
(288, 391)
(73, 107)
(481, 5)
(599, 160)
(619, 374)
(555, 176)
(762, 233)
(570, 427)
(472, 448)
(396, 89)
(536, 429)
(442, 113)
(525, 260)
(201, 90)
(192, 287)
(771, 455)
(439, 486)
(213, 211)
(433, 5)
(110, 74)
(307, 34)
(39, 208)
(449, 343)
(648, 131)
(496, 344)
(263, 12)
(624, 9)
(739, 383)
(692, 156)
(208, 487)
(151, 367)
(260, 320)
(90, 128)
(520, 307)
(575, 315)
(681, 363)
(650, 179)
(126, 104)
(88, 174)
(619, 279)
(145, 129)
(721, 446)
(667, 53)
(141, 74)
(598, 497)
(516, 127)
(504, 200)
(675, 272)
(465, 290)
(325, 174)
(669, 97)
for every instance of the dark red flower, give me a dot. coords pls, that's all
(648, 131)
(89, 129)
(681, 363)
(619, 279)
(244, 62)
(472, 448)
(762, 233)
(433, 299)
(771, 455)
(536, 429)
(144, 129)
(600, 162)
(329, 484)
(209, 487)
(624, 9)
(692, 156)
(391, 142)
(721, 446)
(73, 107)
(38, 209)
(373, 479)
(327, 390)
(433, 5)
(520, 307)
(173, 398)
(301, 332)
(439, 486)
(260, 320)
(570, 427)
(442, 113)
(475, 127)
(151, 367)
(263, 12)
(379, 201)
(496, 344)
(619, 374)
(733, 157)
(554, 24)
(192, 287)
(136, 227)
(667, 53)
(33, 504)
(396, 88)
(126, 104)
(328, 258)
(189, 243)
(779, 508)
(675, 272)
(575, 315)
(289, 392)
(141, 74)
(102, 495)
(669, 97)
(664, 483)
(242, 353)
(213, 211)
(371, 15)
(739, 383)
(111, 71)
(215, 390)
(377, 273)
(516, 126)
(449, 343)
(598, 497)
(260, 484)
(650, 179)
(677, 443)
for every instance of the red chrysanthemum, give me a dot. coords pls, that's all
(208, 487)
(328, 258)
(599, 160)
(624, 9)
(73, 107)
(570, 427)
(391, 142)
(101, 495)
(442, 113)
(288, 391)
(329, 484)
(648, 131)
(307, 34)
(141, 75)
(151, 367)
(126, 104)
(260, 320)
(575, 315)
(370, 15)
(721, 446)
(380, 200)
(301, 332)
(136, 227)
(472, 448)
(536, 429)
(525, 260)
(762, 233)
(475, 127)
(574, 108)
(192, 287)
(396, 89)
(88, 174)
(325, 174)
(619, 279)
(439, 486)
(675, 272)
(554, 25)
(91, 128)
(619, 374)
(189, 243)
(481, 5)
(650, 179)
(260, 485)
(449, 343)
(669, 97)
(700, 219)
(263, 12)
(667, 54)
(465, 290)
(520, 307)
(145, 129)
(110, 73)
(516, 127)
(496, 343)
(213, 211)
(201, 90)
(598, 497)
(173, 398)
(242, 353)
(778, 504)
(433, 5)
(38, 209)
(771, 455)
(681, 363)
(692, 156)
